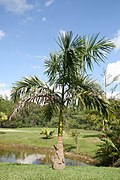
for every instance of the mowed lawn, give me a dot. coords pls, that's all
(38, 172)
(30, 137)
(87, 139)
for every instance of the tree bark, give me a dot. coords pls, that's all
(58, 161)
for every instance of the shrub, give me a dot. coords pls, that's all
(48, 133)
(109, 152)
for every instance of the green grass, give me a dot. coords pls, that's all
(38, 172)
(87, 140)
(87, 144)
(26, 136)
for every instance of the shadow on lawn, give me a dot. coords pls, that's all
(2, 132)
(91, 135)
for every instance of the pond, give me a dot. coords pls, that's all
(34, 158)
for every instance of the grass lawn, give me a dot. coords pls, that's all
(25, 138)
(87, 140)
(87, 144)
(38, 172)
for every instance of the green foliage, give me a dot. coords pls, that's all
(33, 116)
(3, 116)
(114, 120)
(97, 120)
(109, 152)
(47, 132)
(6, 108)
(78, 119)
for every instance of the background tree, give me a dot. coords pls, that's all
(66, 71)
(6, 108)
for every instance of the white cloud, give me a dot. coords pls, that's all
(44, 19)
(116, 39)
(113, 74)
(2, 34)
(16, 6)
(36, 67)
(115, 95)
(2, 85)
(26, 20)
(62, 32)
(5, 93)
(113, 70)
(39, 57)
(48, 2)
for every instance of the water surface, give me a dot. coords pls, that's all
(34, 158)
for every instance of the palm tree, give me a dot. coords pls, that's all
(68, 83)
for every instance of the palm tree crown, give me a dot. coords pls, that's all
(66, 71)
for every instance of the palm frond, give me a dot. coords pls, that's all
(32, 90)
(25, 86)
(88, 94)
(52, 67)
(64, 40)
(95, 50)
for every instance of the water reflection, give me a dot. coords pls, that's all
(71, 162)
(33, 158)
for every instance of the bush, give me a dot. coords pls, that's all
(109, 152)
(48, 133)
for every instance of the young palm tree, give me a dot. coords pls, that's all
(66, 71)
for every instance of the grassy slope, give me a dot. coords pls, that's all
(36, 172)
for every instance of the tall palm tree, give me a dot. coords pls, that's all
(68, 83)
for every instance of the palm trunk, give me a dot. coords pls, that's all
(59, 162)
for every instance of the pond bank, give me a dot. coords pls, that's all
(46, 151)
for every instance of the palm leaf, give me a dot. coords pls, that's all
(88, 94)
(94, 50)
(32, 90)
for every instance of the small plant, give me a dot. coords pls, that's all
(47, 132)
(74, 134)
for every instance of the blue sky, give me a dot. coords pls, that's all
(28, 29)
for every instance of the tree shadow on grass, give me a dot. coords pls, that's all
(91, 135)
(47, 138)
(2, 132)
(69, 147)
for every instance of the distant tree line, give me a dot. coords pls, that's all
(37, 116)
